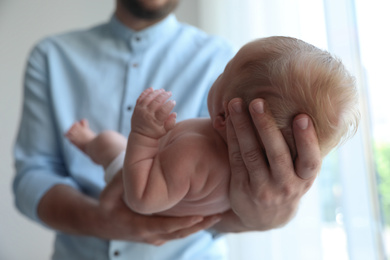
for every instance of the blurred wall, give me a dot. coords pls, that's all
(22, 24)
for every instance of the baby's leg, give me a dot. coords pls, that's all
(106, 147)
(80, 134)
(101, 148)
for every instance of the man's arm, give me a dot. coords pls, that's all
(68, 210)
(44, 191)
(266, 188)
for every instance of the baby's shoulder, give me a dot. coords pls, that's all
(197, 138)
(194, 154)
(193, 142)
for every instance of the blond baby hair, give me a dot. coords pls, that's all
(307, 80)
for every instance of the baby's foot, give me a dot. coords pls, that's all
(80, 134)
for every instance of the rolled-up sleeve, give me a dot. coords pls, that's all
(38, 161)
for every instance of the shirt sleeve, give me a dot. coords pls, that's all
(37, 154)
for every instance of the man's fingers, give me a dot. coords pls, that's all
(237, 165)
(276, 148)
(308, 162)
(179, 230)
(166, 225)
(205, 224)
(250, 151)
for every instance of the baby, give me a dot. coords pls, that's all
(183, 169)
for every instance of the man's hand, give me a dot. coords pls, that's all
(68, 210)
(266, 187)
(123, 224)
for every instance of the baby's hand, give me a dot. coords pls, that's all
(152, 114)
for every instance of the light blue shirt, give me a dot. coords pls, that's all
(98, 74)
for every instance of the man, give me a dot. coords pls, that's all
(97, 74)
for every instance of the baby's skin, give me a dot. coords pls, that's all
(169, 169)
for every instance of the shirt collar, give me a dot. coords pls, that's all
(150, 34)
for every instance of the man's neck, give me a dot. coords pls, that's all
(131, 21)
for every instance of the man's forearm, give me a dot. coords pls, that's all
(66, 209)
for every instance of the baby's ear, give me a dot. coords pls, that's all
(219, 123)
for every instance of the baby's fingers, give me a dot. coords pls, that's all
(159, 99)
(152, 99)
(163, 112)
(170, 122)
(145, 93)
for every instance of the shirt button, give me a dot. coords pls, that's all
(138, 39)
(117, 253)
(129, 108)
(135, 65)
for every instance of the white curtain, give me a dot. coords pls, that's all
(355, 232)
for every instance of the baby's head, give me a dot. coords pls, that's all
(293, 77)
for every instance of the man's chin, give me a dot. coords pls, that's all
(142, 10)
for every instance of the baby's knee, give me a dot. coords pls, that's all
(108, 139)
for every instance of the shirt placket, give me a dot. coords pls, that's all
(133, 84)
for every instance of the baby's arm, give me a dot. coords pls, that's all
(146, 187)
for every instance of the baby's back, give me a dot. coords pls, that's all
(194, 150)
